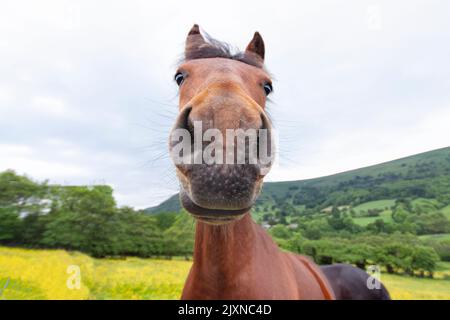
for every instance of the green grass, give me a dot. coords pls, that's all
(378, 204)
(407, 288)
(441, 236)
(364, 221)
(427, 205)
(134, 278)
(20, 290)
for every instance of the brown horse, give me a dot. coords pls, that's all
(234, 258)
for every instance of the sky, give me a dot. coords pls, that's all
(87, 93)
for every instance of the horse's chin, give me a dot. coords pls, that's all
(212, 216)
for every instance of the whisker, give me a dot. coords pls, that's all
(162, 103)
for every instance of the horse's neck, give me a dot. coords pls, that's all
(239, 260)
(224, 253)
(222, 245)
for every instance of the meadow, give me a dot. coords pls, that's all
(44, 274)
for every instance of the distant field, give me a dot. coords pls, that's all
(378, 204)
(42, 274)
(426, 205)
(407, 288)
(371, 205)
(441, 236)
(364, 221)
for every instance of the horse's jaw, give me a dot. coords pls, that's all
(211, 216)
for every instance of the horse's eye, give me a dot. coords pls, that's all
(268, 88)
(179, 78)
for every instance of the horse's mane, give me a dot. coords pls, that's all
(219, 49)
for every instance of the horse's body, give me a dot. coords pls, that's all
(351, 283)
(239, 260)
(234, 258)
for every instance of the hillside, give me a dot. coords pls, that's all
(170, 205)
(425, 175)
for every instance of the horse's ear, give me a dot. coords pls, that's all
(256, 46)
(194, 40)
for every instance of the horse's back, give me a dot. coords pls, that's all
(351, 283)
(313, 284)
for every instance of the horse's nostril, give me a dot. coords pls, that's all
(265, 122)
(178, 139)
(189, 126)
(237, 140)
(183, 121)
(265, 145)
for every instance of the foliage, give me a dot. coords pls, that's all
(86, 219)
(397, 253)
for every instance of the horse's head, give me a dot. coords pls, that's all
(221, 143)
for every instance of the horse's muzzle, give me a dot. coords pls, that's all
(222, 149)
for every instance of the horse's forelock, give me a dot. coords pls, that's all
(218, 49)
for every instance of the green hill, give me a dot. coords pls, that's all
(425, 175)
(170, 205)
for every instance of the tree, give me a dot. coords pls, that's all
(280, 231)
(432, 223)
(32, 229)
(179, 238)
(424, 259)
(166, 219)
(336, 221)
(137, 234)
(394, 256)
(9, 225)
(20, 192)
(399, 214)
(19, 196)
(378, 226)
(81, 218)
(314, 229)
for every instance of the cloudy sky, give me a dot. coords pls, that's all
(87, 96)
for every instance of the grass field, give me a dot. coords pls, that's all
(378, 204)
(407, 288)
(440, 236)
(43, 274)
(364, 221)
